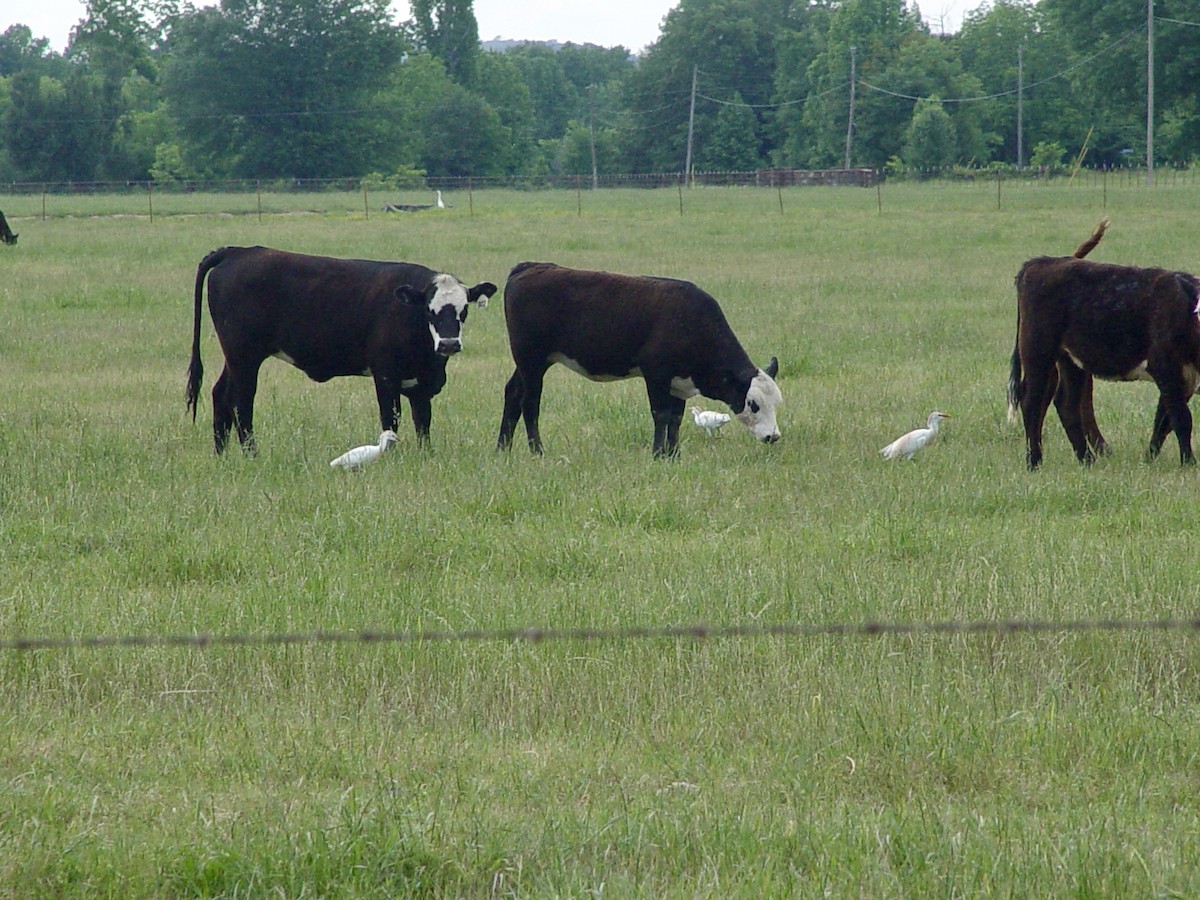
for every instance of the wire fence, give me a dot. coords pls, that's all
(377, 195)
(996, 628)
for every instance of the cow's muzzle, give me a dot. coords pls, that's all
(448, 347)
(771, 438)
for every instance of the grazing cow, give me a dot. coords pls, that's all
(398, 322)
(6, 233)
(1087, 412)
(1120, 323)
(607, 327)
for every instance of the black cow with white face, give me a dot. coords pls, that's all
(396, 322)
(608, 327)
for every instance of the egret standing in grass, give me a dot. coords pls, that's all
(907, 445)
(439, 203)
(354, 460)
(710, 421)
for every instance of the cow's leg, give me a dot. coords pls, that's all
(1162, 427)
(531, 406)
(222, 411)
(668, 413)
(422, 413)
(1039, 388)
(1068, 400)
(1087, 413)
(389, 404)
(243, 385)
(514, 390)
(1174, 396)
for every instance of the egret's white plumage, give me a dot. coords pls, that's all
(907, 445)
(710, 421)
(440, 204)
(355, 459)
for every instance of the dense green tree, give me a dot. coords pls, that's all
(731, 145)
(797, 48)
(1110, 91)
(876, 30)
(449, 31)
(555, 99)
(501, 86)
(57, 130)
(989, 45)
(20, 51)
(463, 136)
(586, 65)
(113, 40)
(930, 143)
(730, 44)
(274, 89)
(575, 150)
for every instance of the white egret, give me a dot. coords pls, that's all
(440, 204)
(710, 421)
(354, 460)
(907, 445)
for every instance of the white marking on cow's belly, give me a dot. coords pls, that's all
(1192, 377)
(683, 388)
(575, 366)
(408, 382)
(1137, 373)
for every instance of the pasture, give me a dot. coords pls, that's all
(925, 765)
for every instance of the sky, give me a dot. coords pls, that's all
(633, 24)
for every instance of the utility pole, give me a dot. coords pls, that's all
(592, 137)
(1020, 108)
(1149, 93)
(850, 123)
(687, 166)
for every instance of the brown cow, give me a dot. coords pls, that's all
(1077, 318)
(1087, 411)
(6, 233)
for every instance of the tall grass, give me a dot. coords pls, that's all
(1030, 765)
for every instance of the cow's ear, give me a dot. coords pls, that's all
(480, 293)
(410, 295)
(772, 368)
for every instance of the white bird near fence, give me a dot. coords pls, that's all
(440, 204)
(354, 460)
(907, 445)
(710, 421)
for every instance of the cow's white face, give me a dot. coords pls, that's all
(758, 411)
(447, 312)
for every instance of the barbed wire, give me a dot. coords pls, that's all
(997, 628)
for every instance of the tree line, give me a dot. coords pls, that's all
(267, 89)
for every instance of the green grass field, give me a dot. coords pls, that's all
(1024, 766)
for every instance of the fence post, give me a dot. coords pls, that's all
(999, 178)
(44, 188)
(258, 197)
(471, 196)
(150, 198)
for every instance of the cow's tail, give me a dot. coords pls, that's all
(195, 368)
(1016, 386)
(1090, 244)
